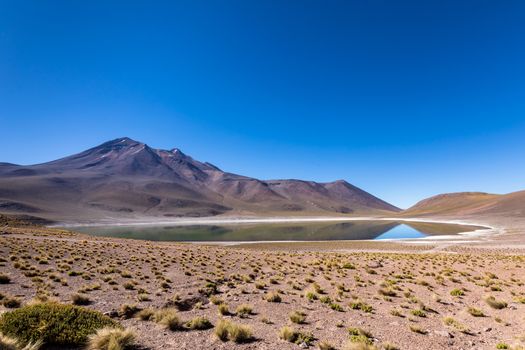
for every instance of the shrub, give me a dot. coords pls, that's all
(456, 292)
(146, 314)
(418, 313)
(226, 330)
(64, 324)
(326, 346)
(416, 329)
(475, 312)
(298, 317)
(199, 323)
(223, 309)
(273, 297)
(359, 335)
(128, 310)
(80, 299)
(495, 304)
(168, 318)
(291, 335)
(288, 334)
(4, 279)
(109, 338)
(452, 322)
(11, 302)
(244, 310)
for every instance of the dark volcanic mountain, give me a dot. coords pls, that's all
(126, 178)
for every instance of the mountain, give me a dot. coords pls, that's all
(127, 178)
(466, 204)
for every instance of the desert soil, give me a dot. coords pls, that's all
(409, 295)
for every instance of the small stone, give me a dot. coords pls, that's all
(488, 329)
(444, 334)
(303, 345)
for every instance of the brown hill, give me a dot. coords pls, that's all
(126, 178)
(470, 204)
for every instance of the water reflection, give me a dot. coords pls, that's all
(311, 231)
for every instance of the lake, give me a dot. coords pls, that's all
(290, 231)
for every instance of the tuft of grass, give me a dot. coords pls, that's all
(4, 279)
(326, 346)
(359, 305)
(11, 302)
(226, 330)
(475, 312)
(244, 310)
(80, 299)
(291, 335)
(146, 314)
(199, 323)
(452, 322)
(298, 317)
(168, 318)
(494, 303)
(9, 343)
(359, 335)
(109, 338)
(66, 325)
(273, 297)
(416, 329)
(456, 292)
(418, 313)
(223, 309)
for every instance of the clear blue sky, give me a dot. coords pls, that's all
(405, 99)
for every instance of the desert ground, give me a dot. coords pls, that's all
(464, 293)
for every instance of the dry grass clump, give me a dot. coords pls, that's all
(323, 345)
(223, 309)
(226, 330)
(293, 336)
(146, 314)
(4, 279)
(11, 302)
(109, 338)
(244, 310)
(298, 317)
(494, 303)
(451, 322)
(359, 335)
(80, 299)
(475, 312)
(199, 323)
(9, 343)
(273, 297)
(168, 318)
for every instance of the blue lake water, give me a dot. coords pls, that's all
(298, 231)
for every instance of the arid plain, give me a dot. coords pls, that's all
(442, 294)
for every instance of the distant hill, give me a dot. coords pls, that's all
(127, 178)
(470, 204)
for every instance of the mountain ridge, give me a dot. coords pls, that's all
(124, 177)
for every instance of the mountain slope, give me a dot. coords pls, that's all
(470, 204)
(126, 178)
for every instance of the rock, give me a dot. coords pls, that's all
(303, 345)
(111, 313)
(488, 329)
(444, 334)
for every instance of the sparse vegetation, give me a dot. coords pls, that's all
(65, 324)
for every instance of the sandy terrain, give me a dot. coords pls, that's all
(405, 294)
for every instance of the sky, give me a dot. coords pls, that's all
(405, 99)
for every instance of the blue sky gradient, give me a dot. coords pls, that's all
(405, 99)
